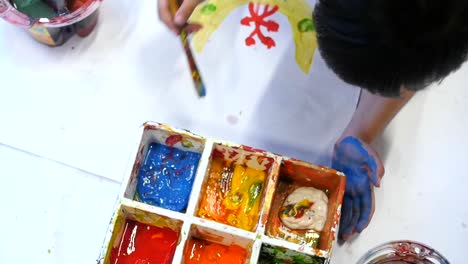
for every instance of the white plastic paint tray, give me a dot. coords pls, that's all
(268, 239)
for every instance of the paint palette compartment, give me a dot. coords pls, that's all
(233, 245)
(167, 141)
(233, 202)
(295, 174)
(240, 175)
(135, 227)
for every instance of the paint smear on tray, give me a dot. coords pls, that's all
(166, 178)
(203, 252)
(233, 194)
(144, 244)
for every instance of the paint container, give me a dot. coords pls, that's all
(260, 238)
(405, 252)
(52, 22)
(178, 140)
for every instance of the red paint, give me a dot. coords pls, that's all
(174, 139)
(218, 154)
(259, 21)
(244, 147)
(76, 4)
(144, 244)
(203, 252)
(232, 154)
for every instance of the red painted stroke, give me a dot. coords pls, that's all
(259, 22)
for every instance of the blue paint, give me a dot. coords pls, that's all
(360, 168)
(166, 178)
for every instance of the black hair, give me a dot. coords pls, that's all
(383, 45)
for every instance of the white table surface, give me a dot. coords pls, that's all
(58, 202)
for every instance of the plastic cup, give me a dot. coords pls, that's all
(56, 30)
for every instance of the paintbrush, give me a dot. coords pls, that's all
(197, 80)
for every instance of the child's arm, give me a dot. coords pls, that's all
(361, 164)
(373, 114)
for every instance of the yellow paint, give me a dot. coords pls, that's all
(238, 198)
(239, 205)
(294, 10)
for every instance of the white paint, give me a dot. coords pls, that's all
(315, 216)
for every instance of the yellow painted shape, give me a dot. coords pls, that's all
(294, 10)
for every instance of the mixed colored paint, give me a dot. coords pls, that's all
(304, 209)
(166, 177)
(39, 9)
(233, 194)
(144, 244)
(203, 252)
(294, 230)
(276, 255)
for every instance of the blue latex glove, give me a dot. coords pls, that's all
(363, 169)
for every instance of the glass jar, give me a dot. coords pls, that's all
(403, 252)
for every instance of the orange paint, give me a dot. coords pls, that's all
(233, 194)
(201, 252)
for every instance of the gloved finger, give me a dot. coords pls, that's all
(367, 209)
(165, 15)
(350, 229)
(375, 166)
(346, 213)
(185, 11)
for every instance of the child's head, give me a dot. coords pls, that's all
(382, 45)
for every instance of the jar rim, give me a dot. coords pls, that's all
(402, 249)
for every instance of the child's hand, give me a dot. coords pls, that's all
(363, 169)
(179, 20)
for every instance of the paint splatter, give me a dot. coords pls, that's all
(208, 9)
(203, 252)
(258, 19)
(174, 139)
(232, 194)
(232, 119)
(306, 25)
(166, 177)
(144, 244)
